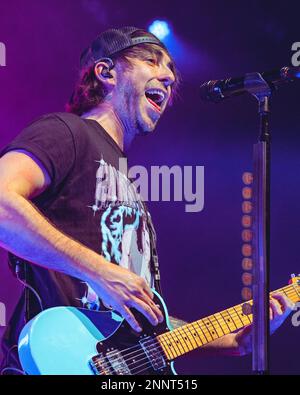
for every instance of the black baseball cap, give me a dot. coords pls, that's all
(113, 41)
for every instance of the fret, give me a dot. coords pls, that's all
(292, 294)
(204, 331)
(186, 338)
(167, 345)
(238, 323)
(181, 344)
(297, 293)
(212, 331)
(245, 318)
(217, 325)
(196, 335)
(200, 333)
(291, 291)
(200, 330)
(224, 325)
(285, 292)
(187, 330)
(175, 344)
(239, 315)
(249, 318)
(227, 318)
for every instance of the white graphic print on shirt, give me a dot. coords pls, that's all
(123, 227)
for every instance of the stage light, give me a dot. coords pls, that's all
(160, 29)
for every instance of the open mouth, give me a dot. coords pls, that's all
(156, 97)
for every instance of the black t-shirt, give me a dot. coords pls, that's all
(88, 200)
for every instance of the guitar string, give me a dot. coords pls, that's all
(294, 287)
(158, 344)
(148, 363)
(204, 327)
(145, 366)
(206, 331)
(107, 364)
(142, 353)
(178, 334)
(139, 362)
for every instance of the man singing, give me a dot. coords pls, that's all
(71, 238)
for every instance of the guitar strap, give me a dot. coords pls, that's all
(21, 271)
(154, 265)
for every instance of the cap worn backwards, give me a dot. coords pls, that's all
(112, 41)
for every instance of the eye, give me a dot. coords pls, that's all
(151, 60)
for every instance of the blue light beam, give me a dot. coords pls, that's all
(160, 29)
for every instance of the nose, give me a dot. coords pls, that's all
(166, 75)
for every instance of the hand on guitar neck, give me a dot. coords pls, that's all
(280, 308)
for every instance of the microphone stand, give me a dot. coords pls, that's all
(259, 88)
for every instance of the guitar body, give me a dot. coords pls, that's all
(71, 341)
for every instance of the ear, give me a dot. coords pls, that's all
(105, 74)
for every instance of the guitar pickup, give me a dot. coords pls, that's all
(152, 350)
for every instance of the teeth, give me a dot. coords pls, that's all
(156, 92)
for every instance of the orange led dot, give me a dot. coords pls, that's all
(247, 235)
(247, 264)
(246, 293)
(247, 207)
(246, 308)
(246, 221)
(247, 250)
(247, 178)
(247, 193)
(247, 279)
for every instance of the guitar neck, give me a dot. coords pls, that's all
(196, 334)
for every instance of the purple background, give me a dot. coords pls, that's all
(200, 253)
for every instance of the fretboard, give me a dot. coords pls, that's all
(196, 334)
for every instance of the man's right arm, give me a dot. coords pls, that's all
(25, 232)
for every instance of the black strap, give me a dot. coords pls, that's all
(21, 270)
(154, 256)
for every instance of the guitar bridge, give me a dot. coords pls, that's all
(113, 363)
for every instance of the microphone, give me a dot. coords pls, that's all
(217, 90)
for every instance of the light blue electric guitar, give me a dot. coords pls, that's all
(71, 341)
